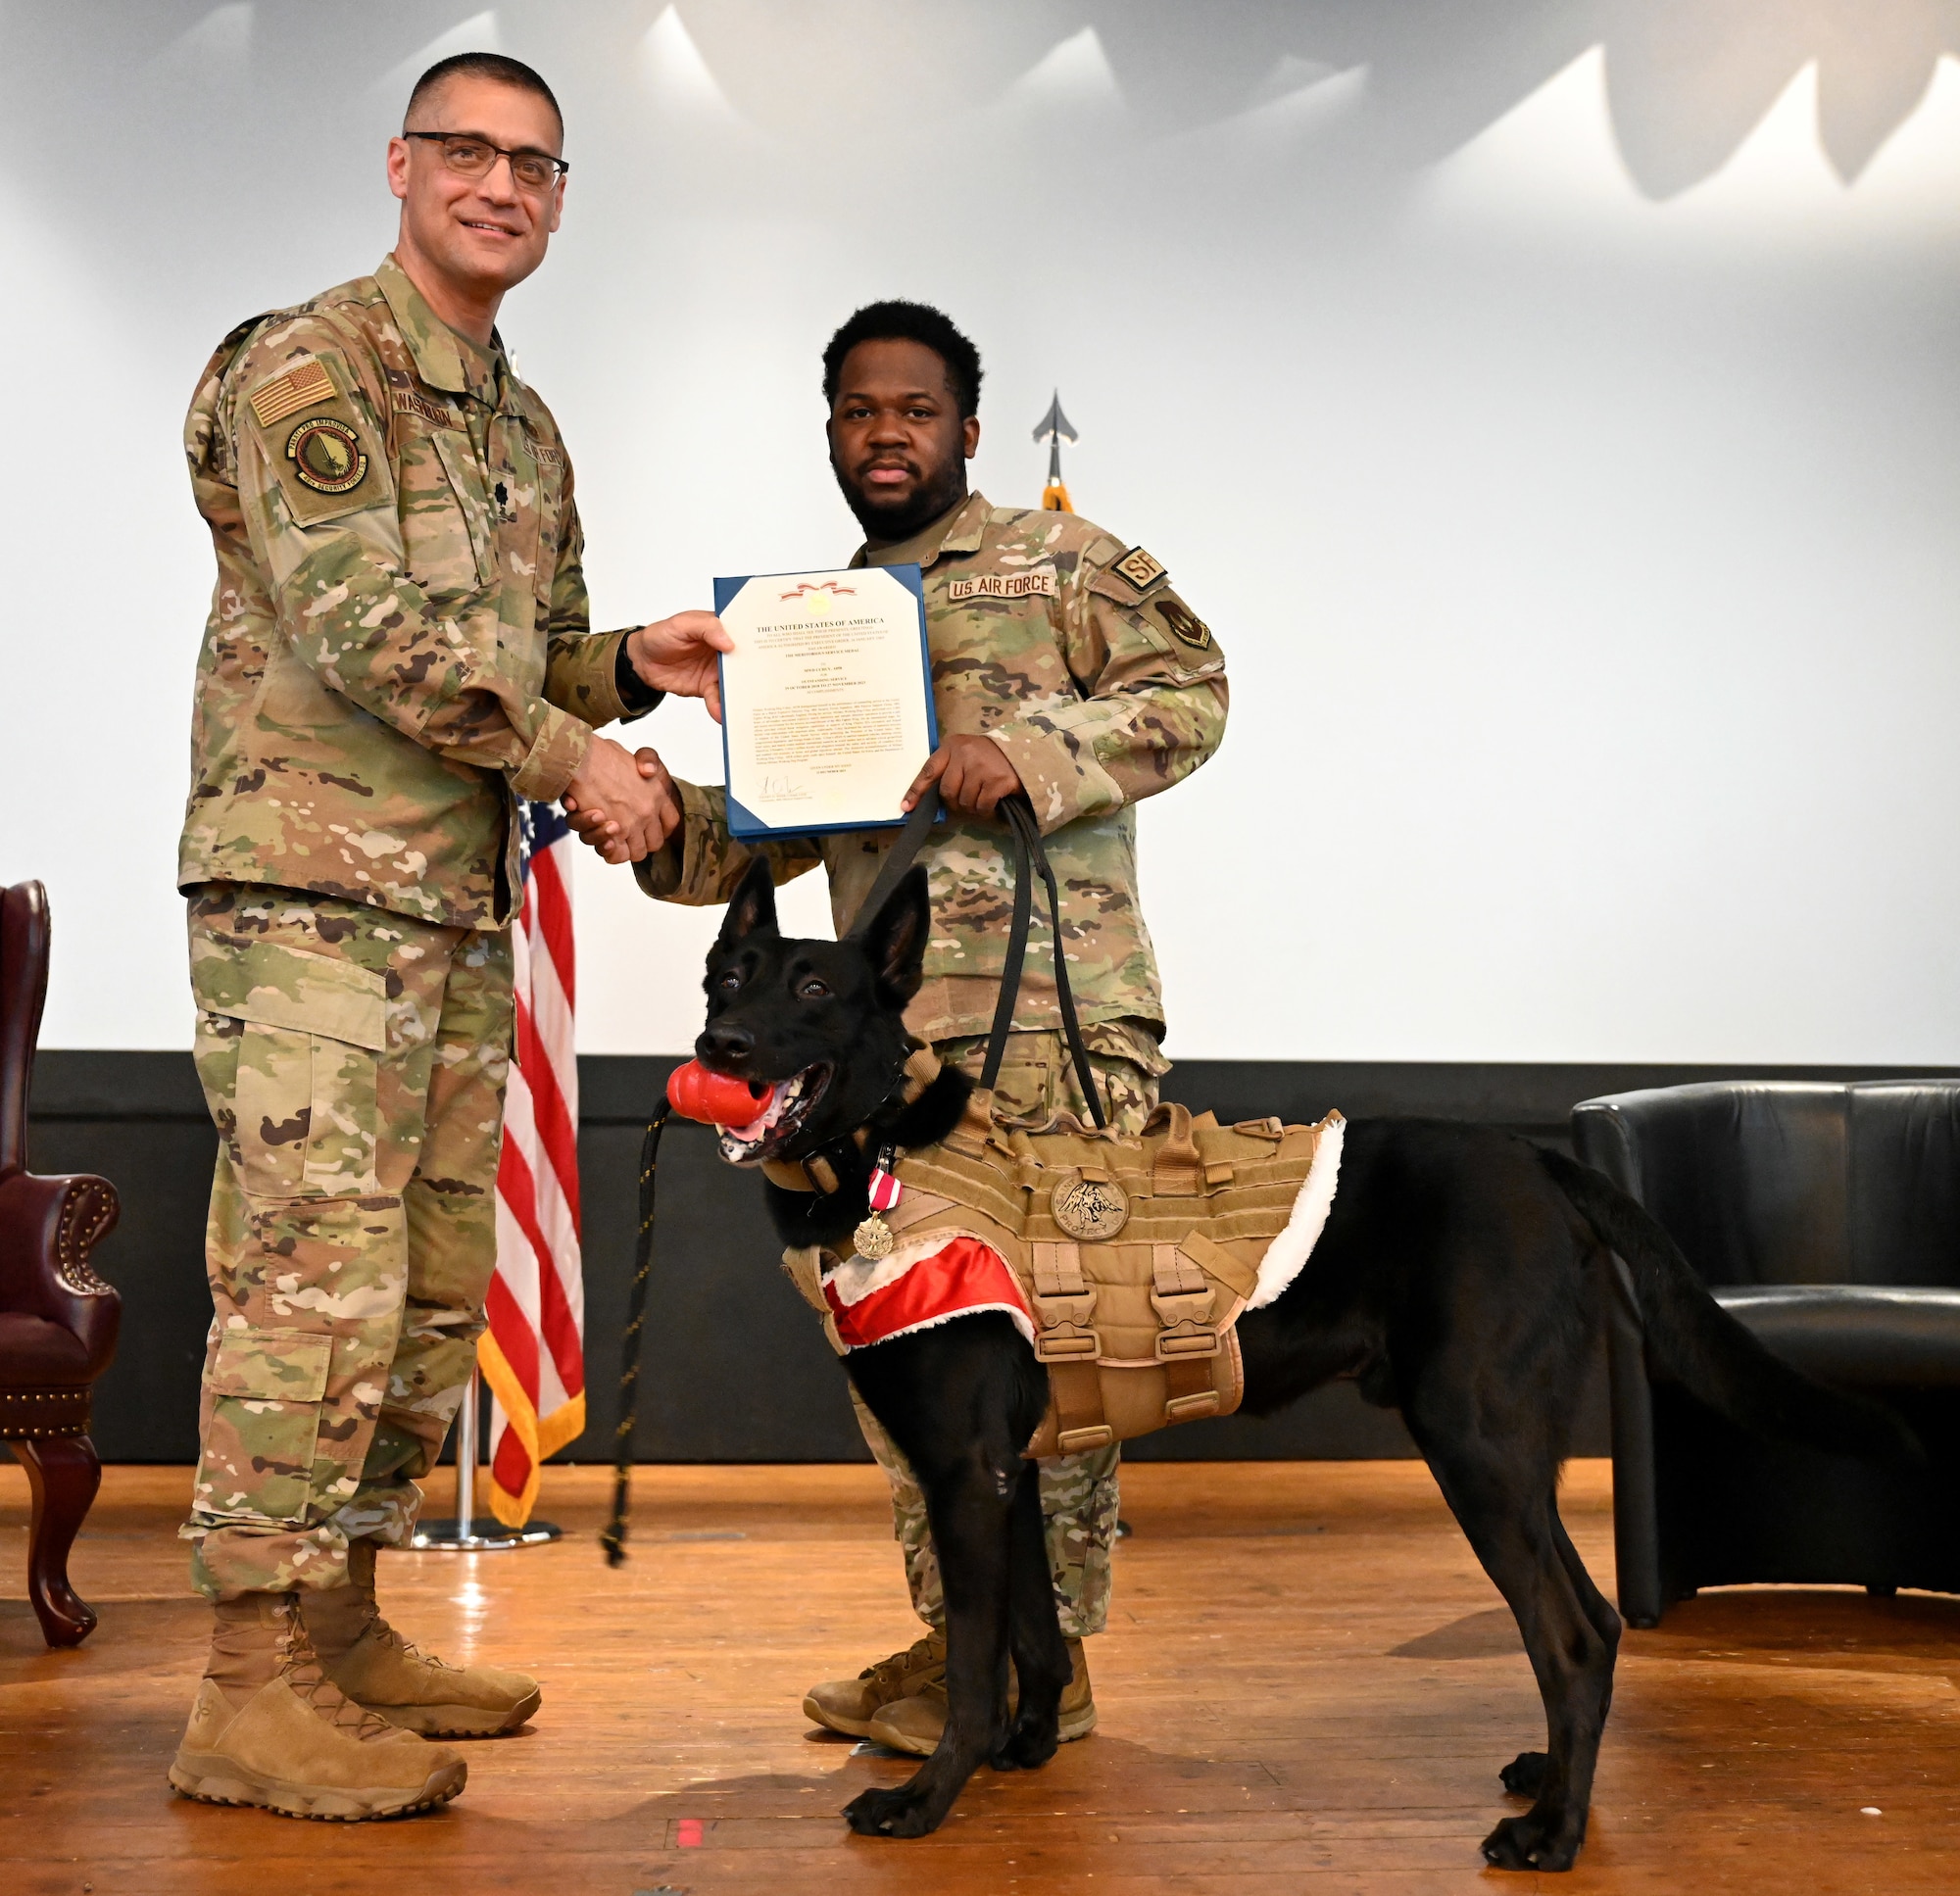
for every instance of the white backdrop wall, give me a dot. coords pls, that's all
(1552, 404)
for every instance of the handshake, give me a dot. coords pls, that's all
(625, 803)
(622, 802)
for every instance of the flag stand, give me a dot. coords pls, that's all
(469, 1533)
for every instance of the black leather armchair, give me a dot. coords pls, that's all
(1826, 1217)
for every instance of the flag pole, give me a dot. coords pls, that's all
(464, 1533)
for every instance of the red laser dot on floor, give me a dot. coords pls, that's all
(687, 1832)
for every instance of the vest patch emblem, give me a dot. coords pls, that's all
(1004, 585)
(299, 387)
(1090, 1209)
(1139, 568)
(326, 455)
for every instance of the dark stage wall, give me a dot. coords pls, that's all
(737, 1368)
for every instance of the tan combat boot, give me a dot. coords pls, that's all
(269, 1728)
(848, 1705)
(916, 1723)
(374, 1666)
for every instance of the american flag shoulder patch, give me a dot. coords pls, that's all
(300, 386)
(1004, 585)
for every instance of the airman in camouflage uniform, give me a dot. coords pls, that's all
(1070, 650)
(386, 668)
(398, 651)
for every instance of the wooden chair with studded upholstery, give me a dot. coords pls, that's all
(58, 1320)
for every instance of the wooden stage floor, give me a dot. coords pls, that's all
(1308, 1686)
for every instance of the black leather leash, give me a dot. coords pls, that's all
(1024, 842)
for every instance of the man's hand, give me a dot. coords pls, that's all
(972, 773)
(677, 655)
(622, 802)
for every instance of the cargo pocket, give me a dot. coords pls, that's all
(1024, 1094)
(268, 1387)
(305, 1102)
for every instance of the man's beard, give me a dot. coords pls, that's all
(894, 520)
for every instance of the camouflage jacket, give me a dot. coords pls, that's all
(398, 644)
(1071, 652)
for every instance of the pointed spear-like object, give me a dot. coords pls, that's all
(1054, 429)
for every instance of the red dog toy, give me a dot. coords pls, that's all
(713, 1097)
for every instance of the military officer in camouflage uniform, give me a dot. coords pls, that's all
(397, 649)
(1063, 664)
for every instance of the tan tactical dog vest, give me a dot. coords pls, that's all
(1136, 1256)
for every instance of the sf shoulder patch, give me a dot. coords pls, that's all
(326, 455)
(304, 385)
(1139, 568)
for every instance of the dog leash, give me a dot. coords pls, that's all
(1026, 844)
(1024, 839)
(1027, 840)
(614, 1537)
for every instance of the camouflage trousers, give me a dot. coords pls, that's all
(354, 1061)
(1078, 1493)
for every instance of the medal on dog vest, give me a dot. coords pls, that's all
(873, 1237)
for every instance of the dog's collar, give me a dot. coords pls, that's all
(818, 1172)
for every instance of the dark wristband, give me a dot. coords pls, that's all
(636, 696)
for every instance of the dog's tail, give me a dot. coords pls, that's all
(1692, 1339)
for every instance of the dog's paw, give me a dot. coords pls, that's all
(1529, 1843)
(1524, 1775)
(1027, 1747)
(888, 1814)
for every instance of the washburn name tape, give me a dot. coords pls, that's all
(1003, 586)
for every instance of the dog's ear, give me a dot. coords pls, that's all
(754, 910)
(895, 941)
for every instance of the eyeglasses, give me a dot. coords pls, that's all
(466, 157)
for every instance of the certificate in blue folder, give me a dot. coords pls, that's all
(826, 699)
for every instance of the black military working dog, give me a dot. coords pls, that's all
(1458, 1278)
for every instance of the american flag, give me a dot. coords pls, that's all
(533, 1354)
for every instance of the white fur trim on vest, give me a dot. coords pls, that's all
(1288, 1254)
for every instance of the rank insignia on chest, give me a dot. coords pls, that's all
(326, 455)
(1139, 568)
(304, 385)
(1028, 585)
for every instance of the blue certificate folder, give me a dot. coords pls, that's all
(745, 824)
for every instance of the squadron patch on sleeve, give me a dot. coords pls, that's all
(1139, 568)
(1180, 622)
(326, 455)
(304, 383)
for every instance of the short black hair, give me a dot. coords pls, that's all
(484, 65)
(901, 321)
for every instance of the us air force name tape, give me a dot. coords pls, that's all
(1004, 585)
